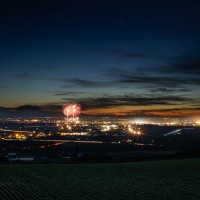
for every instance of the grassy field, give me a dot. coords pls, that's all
(174, 179)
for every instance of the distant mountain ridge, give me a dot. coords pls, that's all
(27, 111)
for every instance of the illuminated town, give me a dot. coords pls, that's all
(86, 128)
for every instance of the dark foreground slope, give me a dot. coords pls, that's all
(172, 179)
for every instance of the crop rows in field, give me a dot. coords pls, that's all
(176, 179)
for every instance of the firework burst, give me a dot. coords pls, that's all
(71, 111)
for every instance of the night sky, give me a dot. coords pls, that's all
(112, 56)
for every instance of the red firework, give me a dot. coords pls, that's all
(71, 110)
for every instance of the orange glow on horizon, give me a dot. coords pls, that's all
(163, 112)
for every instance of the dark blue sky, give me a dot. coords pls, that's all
(112, 56)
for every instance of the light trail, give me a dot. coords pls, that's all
(176, 132)
(73, 141)
(15, 131)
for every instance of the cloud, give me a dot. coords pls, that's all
(128, 54)
(164, 112)
(179, 74)
(169, 90)
(68, 93)
(188, 65)
(176, 109)
(82, 82)
(76, 82)
(122, 54)
(156, 77)
(161, 81)
(172, 111)
(128, 100)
